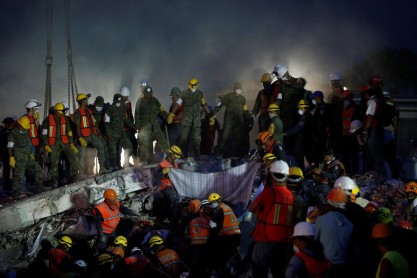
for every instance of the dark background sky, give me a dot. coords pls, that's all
(118, 43)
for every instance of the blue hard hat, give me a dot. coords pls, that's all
(317, 94)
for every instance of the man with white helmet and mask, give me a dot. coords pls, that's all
(32, 113)
(131, 132)
(275, 226)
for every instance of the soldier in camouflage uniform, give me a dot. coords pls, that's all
(193, 100)
(57, 137)
(276, 126)
(87, 133)
(235, 134)
(21, 158)
(115, 121)
(147, 110)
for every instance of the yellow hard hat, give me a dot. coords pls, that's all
(155, 240)
(303, 104)
(82, 96)
(295, 174)
(176, 151)
(66, 240)
(273, 107)
(120, 240)
(59, 107)
(268, 159)
(214, 197)
(193, 83)
(24, 122)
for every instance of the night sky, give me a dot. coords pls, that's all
(118, 43)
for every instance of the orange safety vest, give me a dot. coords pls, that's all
(52, 129)
(178, 115)
(315, 268)
(111, 218)
(266, 101)
(347, 119)
(87, 122)
(33, 131)
(166, 182)
(135, 264)
(230, 222)
(170, 261)
(128, 112)
(200, 230)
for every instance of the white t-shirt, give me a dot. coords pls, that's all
(371, 106)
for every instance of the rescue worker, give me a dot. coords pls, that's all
(168, 258)
(267, 160)
(332, 169)
(225, 231)
(170, 194)
(319, 127)
(108, 214)
(295, 185)
(235, 137)
(267, 144)
(8, 125)
(309, 259)
(147, 110)
(58, 139)
(350, 147)
(209, 127)
(174, 116)
(193, 99)
(22, 159)
(335, 104)
(411, 193)
(334, 231)
(32, 113)
(59, 257)
(264, 98)
(301, 131)
(87, 133)
(115, 121)
(274, 226)
(276, 126)
(138, 265)
(130, 131)
(392, 264)
(119, 241)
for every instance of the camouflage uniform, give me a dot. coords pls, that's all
(98, 117)
(58, 146)
(115, 121)
(91, 139)
(276, 128)
(149, 129)
(20, 145)
(191, 120)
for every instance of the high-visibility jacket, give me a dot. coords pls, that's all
(170, 261)
(200, 230)
(347, 115)
(111, 217)
(165, 181)
(52, 129)
(178, 115)
(33, 131)
(315, 268)
(87, 122)
(135, 264)
(230, 222)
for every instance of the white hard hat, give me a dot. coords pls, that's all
(304, 229)
(124, 91)
(345, 183)
(277, 66)
(32, 103)
(355, 125)
(135, 249)
(81, 264)
(143, 83)
(335, 76)
(279, 170)
(282, 70)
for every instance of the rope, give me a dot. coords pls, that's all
(48, 59)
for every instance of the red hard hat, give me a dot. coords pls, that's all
(405, 224)
(381, 230)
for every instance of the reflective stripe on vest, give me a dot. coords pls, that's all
(169, 259)
(52, 129)
(230, 223)
(33, 131)
(347, 119)
(199, 230)
(111, 218)
(87, 122)
(178, 115)
(315, 268)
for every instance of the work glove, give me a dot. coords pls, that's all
(48, 149)
(245, 107)
(212, 120)
(166, 170)
(32, 156)
(73, 148)
(82, 142)
(170, 118)
(12, 162)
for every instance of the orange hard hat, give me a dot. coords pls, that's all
(337, 197)
(264, 136)
(194, 205)
(405, 224)
(381, 230)
(110, 194)
(118, 251)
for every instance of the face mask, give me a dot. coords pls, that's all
(238, 91)
(214, 205)
(295, 248)
(271, 115)
(314, 102)
(300, 112)
(36, 115)
(23, 131)
(118, 104)
(346, 103)
(99, 108)
(194, 90)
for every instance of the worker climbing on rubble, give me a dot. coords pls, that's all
(108, 214)
(115, 121)
(60, 258)
(411, 193)
(295, 185)
(274, 227)
(22, 158)
(225, 231)
(87, 133)
(276, 125)
(174, 116)
(192, 100)
(58, 138)
(267, 144)
(167, 258)
(332, 169)
(148, 109)
(264, 98)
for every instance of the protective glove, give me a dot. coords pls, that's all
(212, 224)
(82, 142)
(73, 148)
(212, 120)
(245, 107)
(166, 170)
(48, 149)
(32, 156)
(12, 162)
(170, 118)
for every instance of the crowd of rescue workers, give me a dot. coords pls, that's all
(326, 229)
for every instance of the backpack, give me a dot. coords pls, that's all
(385, 114)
